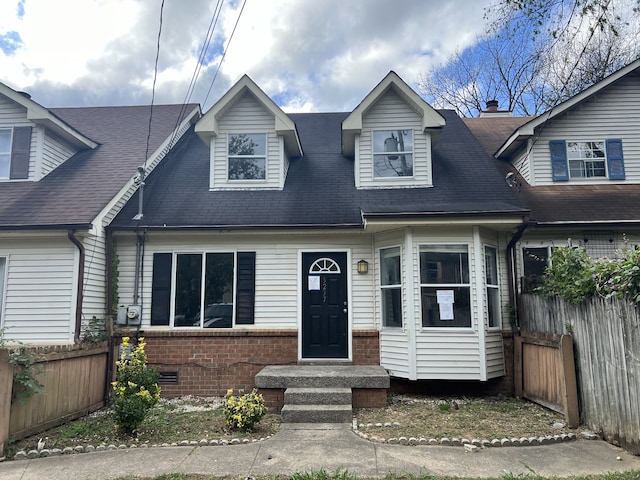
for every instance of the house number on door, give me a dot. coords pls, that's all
(324, 290)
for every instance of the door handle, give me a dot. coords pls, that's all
(345, 310)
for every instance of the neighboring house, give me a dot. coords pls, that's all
(376, 236)
(64, 174)
(576, 168)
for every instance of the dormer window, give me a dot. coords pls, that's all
(5, 152)
(247, 156)
(393, 153)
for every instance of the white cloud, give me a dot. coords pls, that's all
(309, 55)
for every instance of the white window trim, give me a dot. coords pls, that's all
(384, 287)
(174, 267)
(470, 328)
(603, 159)
(10, 129)
(4, 269)
(246, 181)
(495, 286)
(374, 153)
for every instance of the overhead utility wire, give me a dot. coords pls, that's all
(198, 67)
(153, 87)
(224, 54)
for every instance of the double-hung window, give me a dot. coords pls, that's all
(391, 287)
(445, 288)
(5, 152)
(392, 153)
(247, 156)
(493, 287)
(592, 158)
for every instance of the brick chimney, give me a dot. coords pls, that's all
(492, 110)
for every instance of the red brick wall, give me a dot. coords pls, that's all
(209, 362)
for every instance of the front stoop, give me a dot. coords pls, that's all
(320, 393)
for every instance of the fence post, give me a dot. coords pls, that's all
(570, 390)
(517, 365)
(6, 383)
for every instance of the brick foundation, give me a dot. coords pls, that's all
(209, 362)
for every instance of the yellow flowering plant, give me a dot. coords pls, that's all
(243, 411)
(136, 387)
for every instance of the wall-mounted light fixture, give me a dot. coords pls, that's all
(363, 266)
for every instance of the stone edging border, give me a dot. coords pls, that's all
(472, 444)
(45, 452)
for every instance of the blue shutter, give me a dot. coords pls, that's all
(559, 165)
(615, 160)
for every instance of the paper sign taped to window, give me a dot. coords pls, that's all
(314, 282)
(444, 296)
(445, 304)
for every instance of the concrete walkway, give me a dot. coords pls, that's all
(309, 447)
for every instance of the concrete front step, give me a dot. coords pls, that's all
(317, 396)
(316, 414)
(325, 376)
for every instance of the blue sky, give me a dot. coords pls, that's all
(318, 55)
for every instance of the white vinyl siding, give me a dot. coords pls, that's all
(612, 114)
(54, 152)
(392, 113)
(277, 271)
(47, 151)
(248, 115)
(40, 289)
(95, 278)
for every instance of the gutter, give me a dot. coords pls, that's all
(80, 286)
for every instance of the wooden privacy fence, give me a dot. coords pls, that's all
(545, 373)
(74, 379)
(606, 334)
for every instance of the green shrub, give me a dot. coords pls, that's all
(244, 411)
(136, 387)
(575, 277)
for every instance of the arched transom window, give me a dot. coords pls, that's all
(324, 265)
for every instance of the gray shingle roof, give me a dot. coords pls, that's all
(75, 192)
(320, 187)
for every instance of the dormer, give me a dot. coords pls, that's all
(250, 139)
(33, 141)
(390, 135)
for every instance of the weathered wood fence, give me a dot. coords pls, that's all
(606, 336)
(545, 373)
(74, 379)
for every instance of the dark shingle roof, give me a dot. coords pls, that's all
(492, 132)
(320, 188)
(76, 191)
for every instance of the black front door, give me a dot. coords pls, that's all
(325, 317)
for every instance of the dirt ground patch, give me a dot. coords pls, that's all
(461, 417)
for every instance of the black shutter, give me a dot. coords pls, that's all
(161, 289)
(20, 150)
(246, 288)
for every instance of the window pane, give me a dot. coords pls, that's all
(393, 153)
(218, 312)
(493, 306)
(392, 307)
(534, 261)
(491, 265)
(431, 310)
(247, 168)
(247, 144)
(5, 140)
(444, 264)
(188, 290)
(4, 166)
(390, 266)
